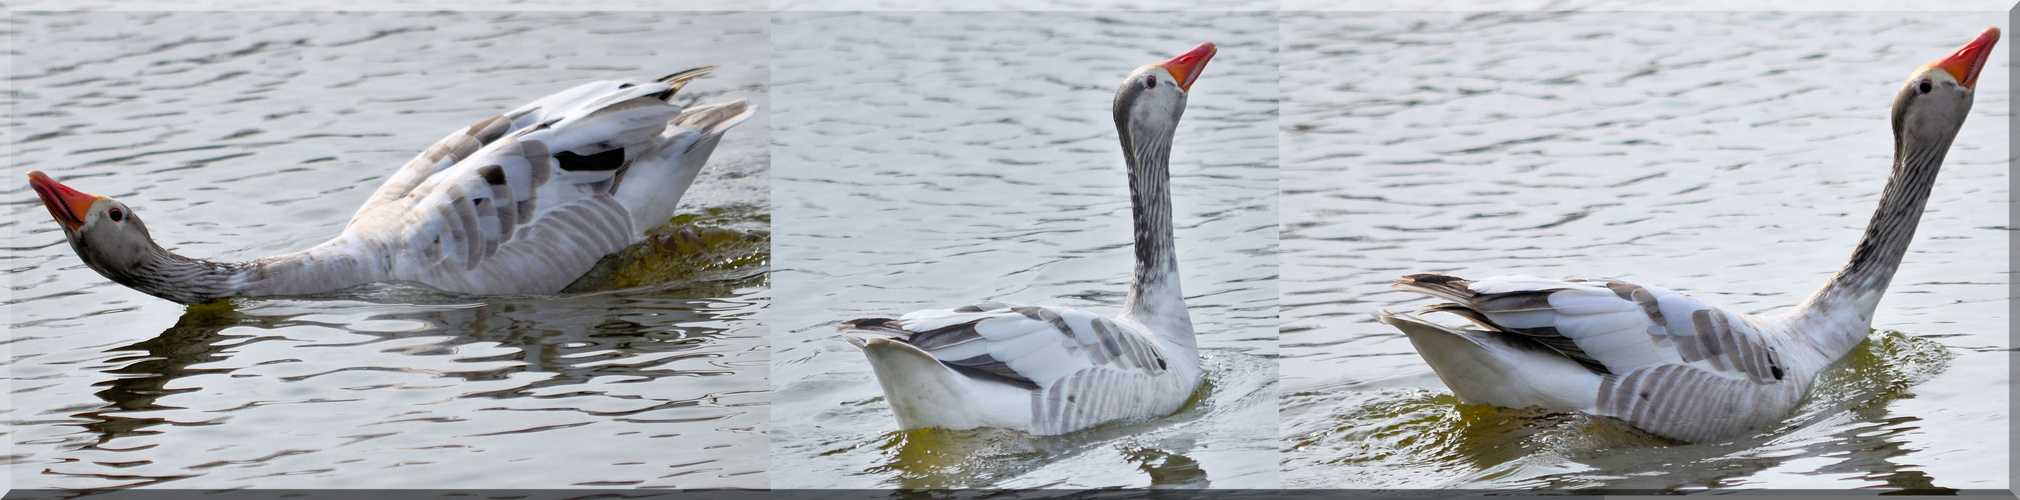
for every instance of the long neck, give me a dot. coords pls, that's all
(165, 274)
(327, 267)
(1840, 315)
(1155, 298)
(340, 263)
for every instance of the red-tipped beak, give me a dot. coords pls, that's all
(1968, 61)
(1186, 67)
(68, 206)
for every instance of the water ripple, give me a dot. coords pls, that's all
(1640, 146)
(260, 136)
(945, 157)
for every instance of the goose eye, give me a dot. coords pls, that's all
(1925, 86)
(116, 214)
(1150, 81)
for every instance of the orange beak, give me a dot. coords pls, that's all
(68, 206)
(1186, 67)
(1965, 64)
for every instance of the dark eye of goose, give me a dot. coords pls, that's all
(1925, 86)
(116, 214)
(1150, 81)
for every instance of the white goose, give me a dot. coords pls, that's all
(520, 203)
(1049, 370)
(1673, 365)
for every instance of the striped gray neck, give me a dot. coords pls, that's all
(185, 280)
(1851, 297)
(327, 267)
(1154, 292)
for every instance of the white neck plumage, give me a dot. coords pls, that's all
(1155, 298)
(1840, 315)
(186, 280)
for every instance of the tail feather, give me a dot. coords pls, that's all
(925, 392)
(1414, 327)
(1462, 303)
(1437, 285)
(716, 118)
(1499, 368)
(918, 387)
(657, 180)
(879, 326)
(680, 79)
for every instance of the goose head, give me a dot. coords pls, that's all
(1932, 104)
(1150, 101)
(104, 232)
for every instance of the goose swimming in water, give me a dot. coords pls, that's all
(1047, 370)
(520, 203)
(1672, 365)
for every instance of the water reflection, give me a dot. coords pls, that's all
(260, 137)
(1167, 468)
(932, 158)
(940, 458)
(561, 349)
(1730, 156)
(1479, 446)
(135, 386)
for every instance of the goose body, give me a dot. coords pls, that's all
(1036, 369)
(1670, 364)
(520, 203)
(1048, 370)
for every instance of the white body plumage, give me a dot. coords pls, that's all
(1664, 362)
(1673, 365)
(520, 203)
(1035, 369)
(1052, 370)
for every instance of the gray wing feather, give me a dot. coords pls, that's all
(1691, 404)
(1032, 346)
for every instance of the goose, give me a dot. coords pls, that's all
(1049, 370)
(1672, 365)
(521, 203)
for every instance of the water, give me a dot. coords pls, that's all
(1734, 157)
(929, 160)
(240, 135)
(932, 159)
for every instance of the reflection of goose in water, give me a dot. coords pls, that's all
(500, 350)
(1052, 370)
(1672, 365)
(1845, 424)
(520, 203)
(941, 459)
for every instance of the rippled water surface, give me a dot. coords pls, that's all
(928, 160)
(241, 135)
(1734, 157)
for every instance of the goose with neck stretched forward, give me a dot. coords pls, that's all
(521, 203)
(1048, 370)
(1672, 365)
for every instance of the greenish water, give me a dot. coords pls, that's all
(930, 159)
(245, 134)
(1399, 437)
(1731, 156)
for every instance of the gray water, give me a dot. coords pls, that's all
(929, 160)
(239, 135)
(1733, 157)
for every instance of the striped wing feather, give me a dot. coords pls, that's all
(1672, 365)
(1085, 369)
(501, 204)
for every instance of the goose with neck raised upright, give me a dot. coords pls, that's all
(521, 203)
(1048, 370)
(1672, 365)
